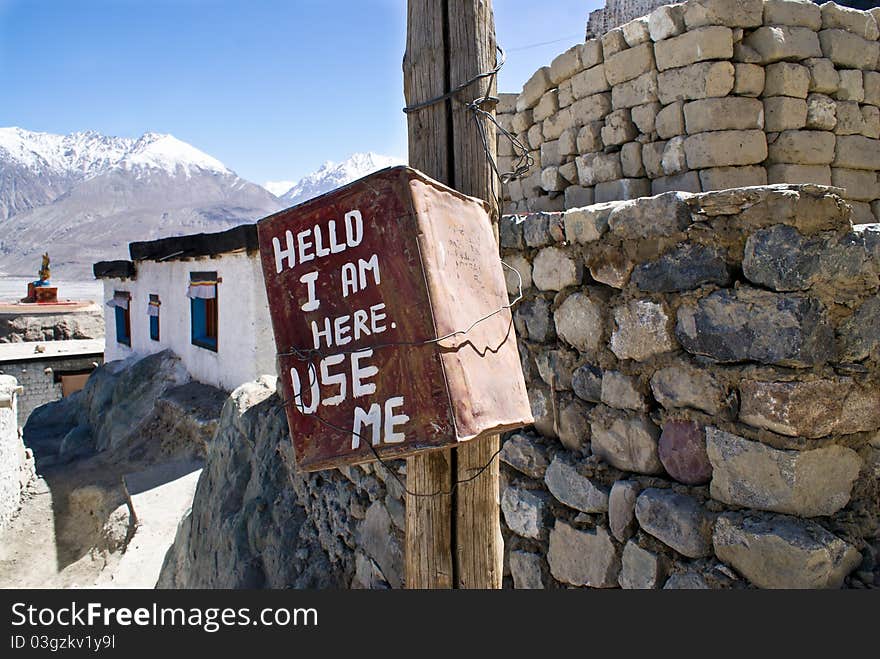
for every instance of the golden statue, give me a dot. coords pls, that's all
(44, 268)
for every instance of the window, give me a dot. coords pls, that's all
(153, 313)
(121, 303)
(203, 308)
(72, 381)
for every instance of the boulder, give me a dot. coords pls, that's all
(670, 121)
(701, 80)
(533, 319)
(676, 520)
(665, 22)
(555, 367)
(748, 79)
(534, 89)
(848, 50)
(628, 443)
(783, 552)
(682, 450)
(824, 78)
(733, 13)
(637, 91)
(654, 216)
(590, 81)
(705, 43)
(257, 522)
(816, 408)
(803, 147)
(579, 321)
(526, 569)
(725, 147)
(574, 490)
(629, 63)
(524, 511)
(121, 397)
(640, 569)
(784, 113)
(525, 455)
(781, 258)
(729, 113)
(625, 188)
(724, 178)
(574, 425)
(583, 558)
(680, 386)
(773, 43)
(804, 483)
(747, 324)
(641, 330)
(852, 20)
(686, 581)
(684, 267)
(564, 66)
(586, 381)
(792, 12)
(584, 225)
(553, 269)
(622, 509)
(860, 333)
(623, 392)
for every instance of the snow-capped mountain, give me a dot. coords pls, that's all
(278, 188)
(332, 175)
(83, 197)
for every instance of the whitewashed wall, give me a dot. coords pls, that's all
(11, 450)
(245, 346)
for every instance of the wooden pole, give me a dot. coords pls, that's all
(452, 541)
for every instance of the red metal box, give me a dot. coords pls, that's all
(361, 283)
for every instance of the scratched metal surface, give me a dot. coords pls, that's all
(449, 395)
(466, 283)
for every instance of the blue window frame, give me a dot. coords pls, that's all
(203, 309)
(123, 325)
(153, 310)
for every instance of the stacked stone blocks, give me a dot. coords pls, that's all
(705, 95)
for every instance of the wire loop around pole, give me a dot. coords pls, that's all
(522, 164)
(523, 160)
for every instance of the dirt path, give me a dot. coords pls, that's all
(27, 546)
(74, 532)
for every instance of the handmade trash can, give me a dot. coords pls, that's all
(361, 283)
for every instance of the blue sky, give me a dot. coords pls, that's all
(271, 88)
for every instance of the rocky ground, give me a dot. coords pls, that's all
(117, 466)
(144, 481)
(257, 523)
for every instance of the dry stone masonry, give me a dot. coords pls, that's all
(704, 371)
(703, 95)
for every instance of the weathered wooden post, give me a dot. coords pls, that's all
(452, 541)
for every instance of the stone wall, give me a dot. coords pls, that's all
(37, 379)
(704, 95)
(704, 371)
(84, 323)
(12, 456)
(258, 522)
(616, 13)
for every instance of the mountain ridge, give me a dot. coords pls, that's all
(331, 175)
(84, 196)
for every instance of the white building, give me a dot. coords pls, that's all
(200, 295)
